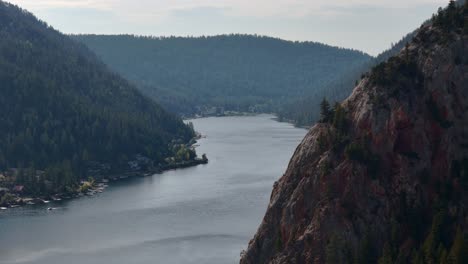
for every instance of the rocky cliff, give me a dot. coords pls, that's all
(384, 177)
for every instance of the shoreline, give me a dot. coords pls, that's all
(97, 186)
(230, 114)
(101, 182)
(290, 121)
(243, 114)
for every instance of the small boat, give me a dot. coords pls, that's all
(51, 208)
(45, 201)
(14, 206)
(3, 208)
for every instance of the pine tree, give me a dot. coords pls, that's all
(407, 57)
(332, 250)
(386, 257)
(325, 111)
(339, 119)
(366, 251)
(452, 6)
(432, 242)
(459, 251)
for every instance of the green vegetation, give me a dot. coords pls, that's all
(395, 70)
(321, 142)
(340, 122)
(356, 152)
(338, 250)
(63, 113)
(86, 185)
(366, 251)
(442, 245)
(450, 19)
(399, 73)
(325, 111)
(387, 256)
(459, 252)
(304, 112)
(229, 72)
(278, 241)
(325, 168)
(183, 153)
(440, 240)
(427, 225)
(6, 198)
(359, 151)
(460, 172)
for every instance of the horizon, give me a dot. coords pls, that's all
(221, 35)
(363, 25)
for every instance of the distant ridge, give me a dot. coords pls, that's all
(231, 72)
(305, 111)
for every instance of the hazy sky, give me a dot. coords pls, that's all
(368, 25)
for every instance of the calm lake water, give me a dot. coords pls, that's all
(205, 214)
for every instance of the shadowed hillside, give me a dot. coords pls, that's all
(231, 72)
(62, 111)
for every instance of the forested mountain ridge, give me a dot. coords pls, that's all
(62, 111)
(305, 111)
(383, 178)
(233, 72)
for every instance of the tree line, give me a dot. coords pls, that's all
(62, 110)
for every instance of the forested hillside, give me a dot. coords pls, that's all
(231, 72)
(305, 111)
(62, 111)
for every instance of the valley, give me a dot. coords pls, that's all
(233, 147)
(203, 214)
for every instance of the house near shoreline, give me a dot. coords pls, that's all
(18, 189)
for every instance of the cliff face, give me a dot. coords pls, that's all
(385, 176)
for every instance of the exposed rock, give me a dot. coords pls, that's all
(373, 190)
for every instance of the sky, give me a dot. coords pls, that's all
(367, 25)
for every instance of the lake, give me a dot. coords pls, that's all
(205, 214)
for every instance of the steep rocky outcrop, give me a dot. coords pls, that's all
(384, 177)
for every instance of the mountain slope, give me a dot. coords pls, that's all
(305, 111)
(237, 72)
(384, 178)
(61, 109)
